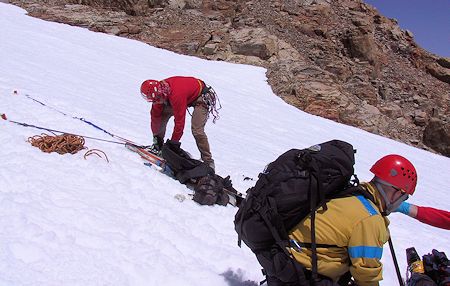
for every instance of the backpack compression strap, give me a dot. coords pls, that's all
(313, 196)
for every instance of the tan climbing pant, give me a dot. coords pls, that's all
(198, 122)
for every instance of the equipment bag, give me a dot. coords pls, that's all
(293, 186)
(437, 266)
(419, 279)
(213, 189)
(185, 168)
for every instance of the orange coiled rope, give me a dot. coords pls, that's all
(62, 144)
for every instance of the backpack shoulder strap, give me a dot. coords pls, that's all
(355, 191)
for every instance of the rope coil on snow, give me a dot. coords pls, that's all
(62, 144)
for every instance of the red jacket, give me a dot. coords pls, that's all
(434, 217)
(184, 91)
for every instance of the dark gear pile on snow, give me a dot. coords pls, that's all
(419, 279)
(185, 169)
(213, 189)
(437, 266)
(209, 187)
(433, 270)
(290, 188)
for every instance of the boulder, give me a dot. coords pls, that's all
(444, 62)
(437, 136)
(439, 72)
(254, 42)
(361, 46)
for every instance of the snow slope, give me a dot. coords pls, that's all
(65, 220)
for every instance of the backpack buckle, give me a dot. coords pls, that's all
(256, 206)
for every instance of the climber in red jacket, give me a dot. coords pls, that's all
(171, 97)
(434, 217)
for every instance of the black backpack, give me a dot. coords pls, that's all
(293, 186)
(185, 169)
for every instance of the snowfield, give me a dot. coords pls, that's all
(67, 221)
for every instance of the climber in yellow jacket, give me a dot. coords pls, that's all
(353, 230)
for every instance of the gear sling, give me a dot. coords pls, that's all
(208, 97)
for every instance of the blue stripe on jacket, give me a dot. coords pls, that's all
(365, 252)
(367, 204)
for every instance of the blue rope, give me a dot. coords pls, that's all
(63, 132)
(79, 118)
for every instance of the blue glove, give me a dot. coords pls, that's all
(403, 208)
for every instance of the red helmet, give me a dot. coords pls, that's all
(150, 90)
(397, 171)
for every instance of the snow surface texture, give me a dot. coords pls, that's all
(65, 220)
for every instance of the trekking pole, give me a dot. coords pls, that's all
(394, 258)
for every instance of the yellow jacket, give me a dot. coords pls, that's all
(356, 227)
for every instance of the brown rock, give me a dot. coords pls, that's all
(420, 118)
(253, 42)
(444, 62)
(361, 46)
(439, 72)
(437, 136)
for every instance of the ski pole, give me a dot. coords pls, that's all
(394, 258)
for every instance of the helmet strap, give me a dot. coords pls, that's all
(384, 196)
(390, 207)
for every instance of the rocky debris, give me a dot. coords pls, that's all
(341, 60)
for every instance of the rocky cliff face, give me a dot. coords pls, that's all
(341, 60)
